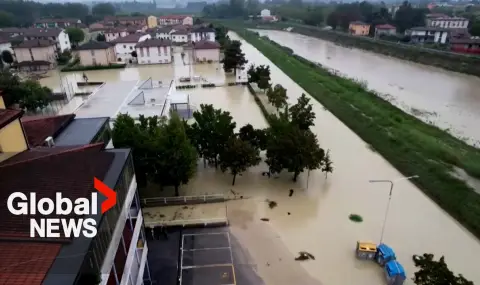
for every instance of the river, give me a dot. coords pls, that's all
(315, 218)
(447, 99)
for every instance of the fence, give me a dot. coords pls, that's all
(166, 201)
(184, 223)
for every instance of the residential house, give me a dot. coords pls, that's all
(59, 36)
(96, 53)
(63, 154)
(126, 20)
(180, 36)
(163, 33)
(175, 20)
(265, 13)
(35, 55)
(126, 45)
(465, 45)
(428, 35)
(112, 34)
(58, 23)
(152, 22)
(447, 22)
(154, 51)
(385, 29)
(206, 51)
(202, 33)
(136, 29)
(358, 28)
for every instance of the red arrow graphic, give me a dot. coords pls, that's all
(107, 192)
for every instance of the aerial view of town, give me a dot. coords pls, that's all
(276, 142)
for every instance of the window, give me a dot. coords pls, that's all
(92, 52)
(94, 61)
(124, 46)
(159, 50)
(66, 42)
(148, 61)
(141, 52)
(148, 52)
(131, 48)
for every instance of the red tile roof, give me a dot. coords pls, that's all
(385, 27)
(7, 116)
(70, 172)
(24, 263)
(38, 128)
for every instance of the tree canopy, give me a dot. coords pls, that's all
(238, 156)
(432, 272)
(302, 113)
(103, 9)
(234, 58)
(7, 56)
(277, 96)
(75, 35)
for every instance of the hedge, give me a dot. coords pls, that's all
(409, 144)
(93, 67)
(264, 111)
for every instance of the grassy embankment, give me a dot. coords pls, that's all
(443, 59)
(410, 145)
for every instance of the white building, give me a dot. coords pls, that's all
(180, 36)
(175, 20)
(202, 34)
(206, 51)
(126, 45)
(447, 22)
(163, 33)
(59, 36)
(114, 33)
(154, 51)
(428, 35)
(265, 13)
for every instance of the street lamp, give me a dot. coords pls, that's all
(392, 183)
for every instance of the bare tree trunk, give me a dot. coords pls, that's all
(295, 176)
(204, 163)
(177, 193)
(234, 176)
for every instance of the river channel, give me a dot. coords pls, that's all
(447, 99)
(315, 218)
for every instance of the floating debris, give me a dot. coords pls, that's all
(185, 207)
(265, 219)
(303, 255)
(271, 204)
(291, 193)
(288, 213)
(162, 216)
(355, 218)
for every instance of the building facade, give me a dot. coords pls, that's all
(202, 34)
(358, 28)
(126, 45)
(465, 45)
(125, 21)
(180, 36)
(428, 35)
(152, 22)
(57, 23)
(96, 53)
(35, 55)
(206, 51)
(154, 51)
(59, 36)
(385, 29)
(175, 20)
(265, 13)
(112, 34)
(447, 22)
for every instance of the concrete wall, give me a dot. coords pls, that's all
(206, 55)
(12, 138)
(97, 56)
(38, 53)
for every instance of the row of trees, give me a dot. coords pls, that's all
(233, 58)
(28, 94)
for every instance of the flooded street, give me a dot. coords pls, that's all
(450, 100)
(315, 218)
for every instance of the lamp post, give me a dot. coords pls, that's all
(392, 183)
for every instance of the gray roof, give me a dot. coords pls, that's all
(80, 131)
(39, 32)
(133, 38)
(203, 30)
(433, 29)
(94, 45)
(34, 44)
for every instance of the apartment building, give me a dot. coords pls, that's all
(202, 34)
(444, 21)
(154, 51)
(175, 20)
(206, 51)
(126, 45)
(47, 155)
(35, 55)
(96, 53)
(57, 35)
(180, 36)
(58, 23)
(112, 34)
(125, 20)
(428, 35)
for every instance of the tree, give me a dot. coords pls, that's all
(302, 114)
(263, 83)
(277, 96)
(233, 57)
(101, 38)
(75, 35)
(237, 156)
(291, 148)
(433, 272)
(327, 164)
(252, 74)
(7, 56)
(6, 19)
(314, 16)
(177, 159)
(31, 96)
(103, 9)
(475, 28)
(212, 129)
(256, 137)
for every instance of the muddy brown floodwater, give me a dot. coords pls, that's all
(318, 222)
(448, 99)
